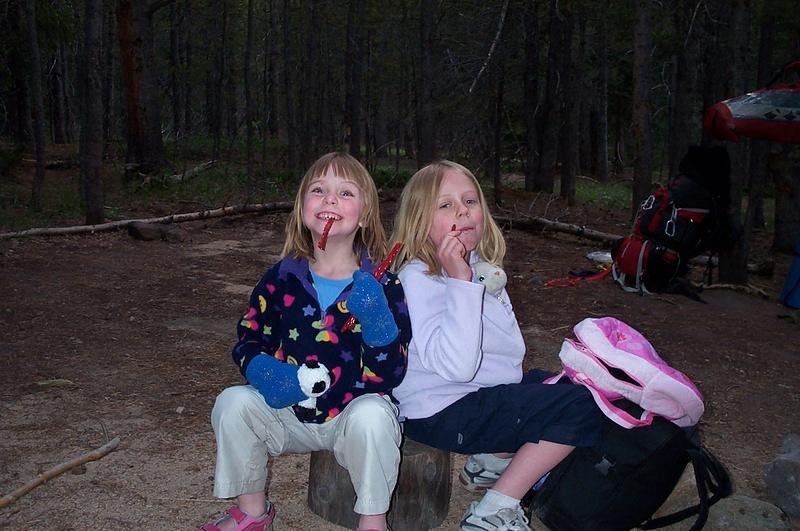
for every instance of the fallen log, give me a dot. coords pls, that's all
(278, 206)
(183, 176)
(537, 223)
(57, 470)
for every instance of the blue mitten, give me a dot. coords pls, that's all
(368, 303)
(283, 385)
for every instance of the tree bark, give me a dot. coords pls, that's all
(733, 261)
(759, 148)
(272, 90)
(145, 151)
(354, 60)
(249, 113)
(531, 96)
(288, 65)
(108, 79)
(684, 19)
(548, 154)
(572, 98)
(37, 102)
(217, 99)
(601, 99)
(426, 136)
(175, 68)
(786, 173)
(642, 120)
(58, 99)
(188, 122)
(91, 79)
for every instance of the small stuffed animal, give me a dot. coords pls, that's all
(314, 379)
(491, 276)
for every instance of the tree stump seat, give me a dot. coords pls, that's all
(420, 500)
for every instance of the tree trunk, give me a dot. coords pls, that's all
(272, 91)
(426, 138)
(642, 120)
(249, 110)
(531, 96)
(91, 82)
(497, 126)
(354, 60)
(759, 149)
(145, 151)
(683, 87)
(37, 102)
(288, 65)
(58, 99)
(175, 68)
(786, 173)
(585, 129)
(572, 107)
(188, 28)
(733, 262)
(217, 100)
(601, 99)
(548, 154)
(108, 80)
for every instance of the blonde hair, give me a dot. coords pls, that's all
(370, 236)
(412, 224)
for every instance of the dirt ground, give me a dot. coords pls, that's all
(103, 336)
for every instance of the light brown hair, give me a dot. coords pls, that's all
(412, 224)
(370, 236)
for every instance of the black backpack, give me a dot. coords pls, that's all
(620, 483)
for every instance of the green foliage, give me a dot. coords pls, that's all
(613, 195)
(61, 201)
(386, 177)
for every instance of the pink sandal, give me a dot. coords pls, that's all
(244, 522)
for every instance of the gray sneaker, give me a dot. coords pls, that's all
(474, 477)
(502, 520)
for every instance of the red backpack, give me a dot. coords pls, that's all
(671, 226)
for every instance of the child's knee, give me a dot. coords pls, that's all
(373, 414)
(234, 401)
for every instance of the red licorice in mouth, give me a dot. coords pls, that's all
(324, 239)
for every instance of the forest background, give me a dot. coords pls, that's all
(567, 109)
(137, 91)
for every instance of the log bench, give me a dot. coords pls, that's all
(420, 500)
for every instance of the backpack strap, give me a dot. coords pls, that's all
(710, 476)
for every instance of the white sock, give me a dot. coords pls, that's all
(493, 501)
(493, 463)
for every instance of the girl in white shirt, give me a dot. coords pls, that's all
(464, 390)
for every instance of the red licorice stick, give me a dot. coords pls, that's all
(324, 238)
(377, 274)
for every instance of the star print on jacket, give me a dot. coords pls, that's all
(283, 320)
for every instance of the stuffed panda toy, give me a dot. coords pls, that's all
(491, 276)
(314, 379)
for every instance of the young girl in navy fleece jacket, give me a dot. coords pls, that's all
(294, 322)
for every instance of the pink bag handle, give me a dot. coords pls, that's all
(617, 415)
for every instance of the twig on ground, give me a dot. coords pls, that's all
(57, 470)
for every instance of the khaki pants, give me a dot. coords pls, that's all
(364, 438)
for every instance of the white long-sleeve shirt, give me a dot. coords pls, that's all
(463, 339)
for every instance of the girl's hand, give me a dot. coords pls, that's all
(452, 255)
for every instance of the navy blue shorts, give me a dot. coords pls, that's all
(504, 417)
